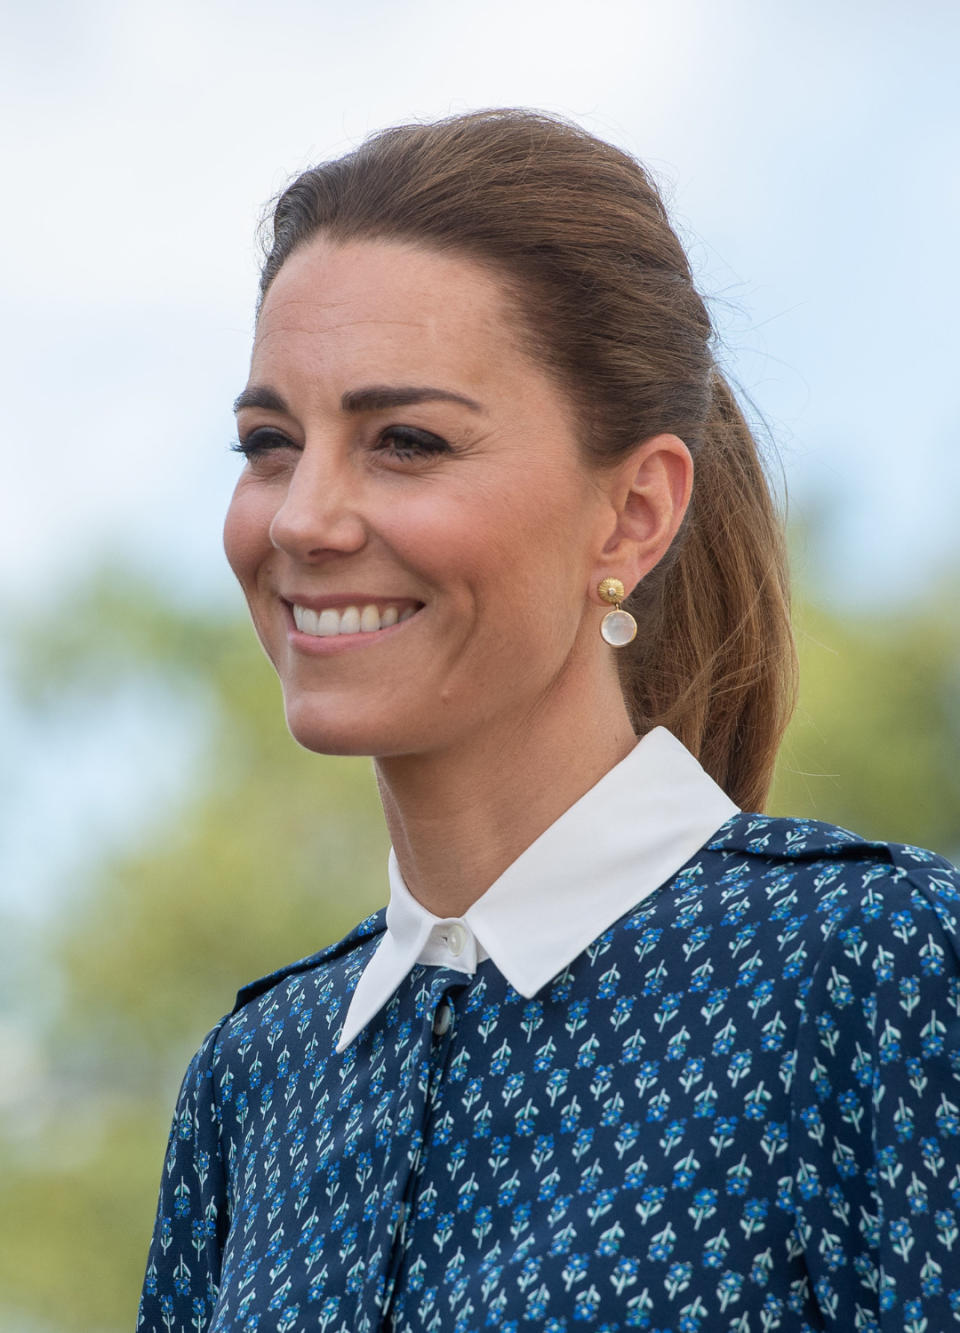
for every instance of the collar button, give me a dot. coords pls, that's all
(455, 938)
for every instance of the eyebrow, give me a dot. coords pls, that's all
(258, 395)
(374, 398)
(380, 396)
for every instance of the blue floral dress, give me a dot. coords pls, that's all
(737, 1111)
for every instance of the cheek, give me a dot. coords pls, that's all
(246, 531)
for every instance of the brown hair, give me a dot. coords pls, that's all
(605, 300)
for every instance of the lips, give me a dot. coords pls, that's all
(354, 618)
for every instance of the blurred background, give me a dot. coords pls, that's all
(163, 840)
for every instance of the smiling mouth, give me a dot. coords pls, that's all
(335, 621)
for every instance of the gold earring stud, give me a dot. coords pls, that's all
(618, 627)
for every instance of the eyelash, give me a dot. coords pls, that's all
(415, 443)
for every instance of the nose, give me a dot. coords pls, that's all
(320, 512)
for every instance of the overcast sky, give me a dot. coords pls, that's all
(808, 152)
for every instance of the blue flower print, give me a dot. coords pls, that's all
(738, 1108)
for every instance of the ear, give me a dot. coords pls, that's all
(649, 493)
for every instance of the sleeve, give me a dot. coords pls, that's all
(183, 1264)
(875, 1120)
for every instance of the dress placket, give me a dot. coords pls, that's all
(435, 1003)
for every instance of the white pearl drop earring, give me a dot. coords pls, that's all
(618, 627)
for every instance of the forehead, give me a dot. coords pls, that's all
(387, 309)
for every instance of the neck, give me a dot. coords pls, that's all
(458, 817)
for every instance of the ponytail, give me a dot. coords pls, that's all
(715, 660)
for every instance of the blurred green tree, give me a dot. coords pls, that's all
(270, 853)
(875, 742)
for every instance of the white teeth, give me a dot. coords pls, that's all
(349, 620)
(305, 619)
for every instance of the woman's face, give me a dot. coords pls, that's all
(414, 529)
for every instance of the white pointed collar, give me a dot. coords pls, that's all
(613, 847)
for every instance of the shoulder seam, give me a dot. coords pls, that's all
(366, 929)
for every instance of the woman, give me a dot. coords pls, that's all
(617, 1053)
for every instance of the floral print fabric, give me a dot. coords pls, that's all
(737, 1110)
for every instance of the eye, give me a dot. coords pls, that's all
(407, 442)
(261, 442)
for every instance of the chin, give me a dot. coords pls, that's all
(324, 729)
(317, 730)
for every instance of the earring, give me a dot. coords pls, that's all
(617, 627)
